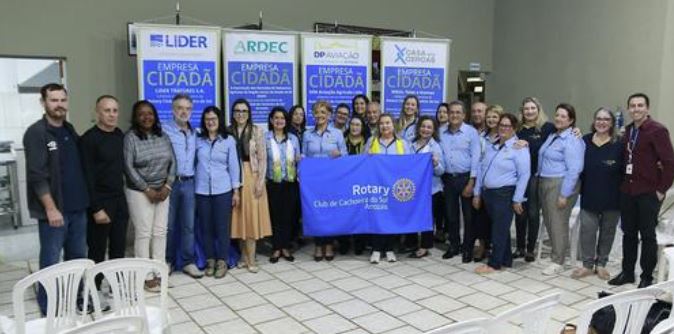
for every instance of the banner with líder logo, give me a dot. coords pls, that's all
(366, 194)
(178, 60)
(414, 66)
(335, 68)
(260, 67)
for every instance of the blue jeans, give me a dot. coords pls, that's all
(181, 217)
(215, 219)
(499, 205)
(71, 238)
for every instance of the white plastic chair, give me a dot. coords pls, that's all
(61, 283)
(474, 326)
(664, 327)
(534, 315)
(631, 308)
(112, 325)
(668, 261)
(127, 281)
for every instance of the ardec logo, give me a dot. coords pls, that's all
(256, 47)
(178, 41)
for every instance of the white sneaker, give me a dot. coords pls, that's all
(553, 269)
(391, 257)
(374, 258)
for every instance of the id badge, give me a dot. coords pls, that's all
(628, 169)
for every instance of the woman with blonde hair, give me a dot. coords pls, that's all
(323, 141)
(250, 219)
(406, 123)
(534, 129)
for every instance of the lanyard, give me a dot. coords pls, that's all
(484, 177)
(632, 143)
(422, 147)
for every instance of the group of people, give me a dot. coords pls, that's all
(240, 182)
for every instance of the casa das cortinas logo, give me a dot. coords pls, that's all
(178, 41)
(404, 189)
(405, 55)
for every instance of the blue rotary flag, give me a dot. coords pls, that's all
(366, 194)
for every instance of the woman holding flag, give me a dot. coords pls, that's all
(323, 141)
(283, 153)
(426, 141)
(387, 142)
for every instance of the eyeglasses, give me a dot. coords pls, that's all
(240, 111)
(603, 119)
(505, 126)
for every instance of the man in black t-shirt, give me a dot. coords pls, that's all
(102, 149)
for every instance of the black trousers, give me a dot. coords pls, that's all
(639, 216)
(528, 223)
(359, 241)
(482, 223)
(383, 242)
(453, 186)
(110, 238)
(283, 198)
(439, 219)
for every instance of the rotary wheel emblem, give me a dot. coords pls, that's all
(403, 190)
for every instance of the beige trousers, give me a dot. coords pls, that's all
(556, 220)
(150, 221)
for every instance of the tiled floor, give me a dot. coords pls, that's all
(349, 295)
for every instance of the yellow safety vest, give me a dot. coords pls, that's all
(375, 148)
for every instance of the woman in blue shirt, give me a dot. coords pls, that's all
(407, 121)
(386, 142)
(481, 220)
(426, 141)
(559, 167)
(501, 183)
(600, 195)
(283, 153)
(323, 141)
(217, 176)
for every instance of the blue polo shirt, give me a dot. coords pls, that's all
(184, 147)
(217, 170)
(461, 150)
(319, 145)
(502, 166)
(561, 156)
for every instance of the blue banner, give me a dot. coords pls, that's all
(427, 84)
(163, 79)
(366, 194)
(264, 84)
(335, 84)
